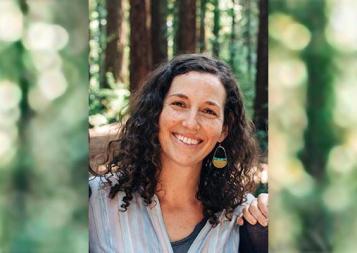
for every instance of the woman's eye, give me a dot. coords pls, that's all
(209, 111)
(179, 104)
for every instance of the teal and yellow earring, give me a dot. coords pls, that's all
(219, 159)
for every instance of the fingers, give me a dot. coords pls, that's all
(248, 216)
(240, 220)
(263, 204)
(256, 213)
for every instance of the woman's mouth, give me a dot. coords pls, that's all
(187, 140)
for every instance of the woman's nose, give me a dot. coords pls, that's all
(190, 121)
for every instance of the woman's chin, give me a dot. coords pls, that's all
(189, 162)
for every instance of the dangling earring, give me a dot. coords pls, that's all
(219, 159)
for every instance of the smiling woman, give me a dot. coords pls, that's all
(191, 121)
(162, 191)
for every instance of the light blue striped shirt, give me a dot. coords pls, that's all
(141, 228)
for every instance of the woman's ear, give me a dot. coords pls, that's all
(224, 134)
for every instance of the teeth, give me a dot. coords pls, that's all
(187, 140)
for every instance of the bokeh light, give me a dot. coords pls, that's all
(346, 108)
(10, 95)
(45, 37)
(47, 60)
(342, 32)
(290, 33)
(11, 21)
(337, 196)
(52, 84)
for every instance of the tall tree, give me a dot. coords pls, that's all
(140, 44)
(158, 31)
(233, 37)
(172, 31)
(216, 28)
(247, 6)
(261, 81)
(202, 38)
(100, 8)
(115, 39)
(186, 30)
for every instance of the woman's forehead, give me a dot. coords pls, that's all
(198, 85)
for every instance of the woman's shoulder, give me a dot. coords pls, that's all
(101, 184)
(99, 194)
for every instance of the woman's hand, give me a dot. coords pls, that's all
(256, 211)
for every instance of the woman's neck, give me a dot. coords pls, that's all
(178, 184)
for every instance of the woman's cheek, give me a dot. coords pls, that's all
(176, 115)
(214, 127)
(169, 120)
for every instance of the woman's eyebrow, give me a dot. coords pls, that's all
(179, 95)
(209, 102)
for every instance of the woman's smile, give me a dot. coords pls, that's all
(187, 140)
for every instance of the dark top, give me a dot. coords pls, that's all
(253, 239)
(182, 246)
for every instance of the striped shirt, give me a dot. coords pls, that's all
(141, 228)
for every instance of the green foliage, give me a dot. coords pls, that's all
(108, 105)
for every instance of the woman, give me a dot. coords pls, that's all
(183, 165)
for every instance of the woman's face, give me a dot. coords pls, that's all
(191, 121)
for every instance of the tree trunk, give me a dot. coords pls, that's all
(186, 30)
(115, 42)
(233, 37)
(158, 31)
(261, 82)
(247, 37)
(100, 7)
(202, 38)
(216, 28)
(140, 46)
(173, 13)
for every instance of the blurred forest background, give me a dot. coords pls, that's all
(43, 126)
(312, 126)
(130, 38)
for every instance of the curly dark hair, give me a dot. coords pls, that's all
(136, 164)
